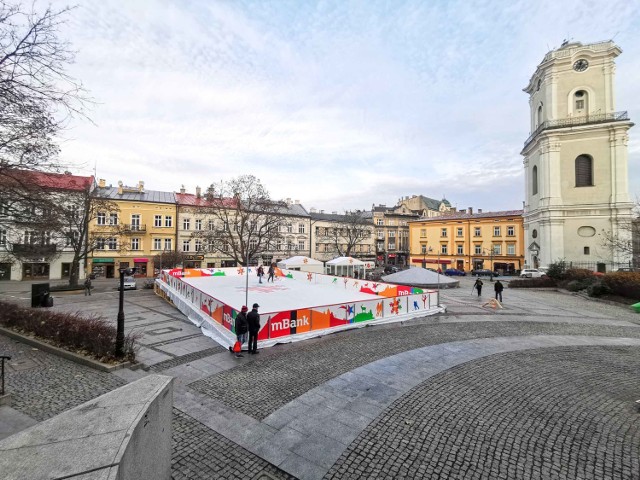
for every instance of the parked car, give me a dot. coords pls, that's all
(129, 284)
(532, 273)
(628, 269)
(391, 269)
(483, 272)
(454, 272)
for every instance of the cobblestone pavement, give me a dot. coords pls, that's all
(201, 453)
(43, 385)
(260, 387)
(515, 415)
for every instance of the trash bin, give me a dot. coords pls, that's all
(40, 295)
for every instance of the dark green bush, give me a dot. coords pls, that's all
(598, 289)
(575, 286)
(93, 335)
(533, 283)
(556, 270)
(625, 284)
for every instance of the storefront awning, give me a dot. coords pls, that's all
(140, 260)
(103, 260)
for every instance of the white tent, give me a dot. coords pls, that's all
(302, 263)
(346, 267)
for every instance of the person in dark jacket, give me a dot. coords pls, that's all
(242, 326)
(272, 272)
(254, 327)
(478, 286)
(260, 273)
(498, 287)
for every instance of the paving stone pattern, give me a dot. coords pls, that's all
(201, 453)
(261, 386)
(515, 415)
(174, 362)
(43, 385)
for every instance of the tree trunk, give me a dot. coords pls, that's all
(74, 273)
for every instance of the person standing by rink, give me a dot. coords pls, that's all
(87, 287)
(272, 272)
(260, 273)
(253, 319)
(478, 286)
(498, 287)
(242, 326)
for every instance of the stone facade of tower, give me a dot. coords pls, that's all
(575, 159)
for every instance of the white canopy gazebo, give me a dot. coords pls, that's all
(302, 263)
(346, 267)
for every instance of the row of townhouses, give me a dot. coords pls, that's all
(141, 228)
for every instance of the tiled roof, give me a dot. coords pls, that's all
(53, 181)
(337, 217)
(466, 215)
(151, 196)
(191, 200)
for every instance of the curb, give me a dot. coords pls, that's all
(74, 357)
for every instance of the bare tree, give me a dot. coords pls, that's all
(347, 231)
(169, 259)
(240, 218)
(624, 243)
(37, 96)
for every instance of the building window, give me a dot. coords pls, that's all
(198, 224)
(168, 221)
(301, 245)
(443, 232)
(443, 249)
(459, 232)
(423, 232)
(423, 249)
(511, 231)
(534, 180)
(391, 222)
(392, 246)
(3, 237)
(497, 249)
(380, 234)
(198, 245)
(301, 228)
(112, 243)
(392, 234)
(113, 219)
(157, 221)
(476, 232)
(380, 246)
(586, 250)
(135, 244)
(167, 244)
(157, 243)
(186, 223)
(135, 222)
(379, 221)
(539, 117)
(496, 231)
(477, 249)
(211, 225)
(100, 242)
(580, 98)
(460, 249)
(186, 245)
(511, 249)
(584, 171)
(102, 218)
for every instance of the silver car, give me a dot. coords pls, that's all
(532, 273)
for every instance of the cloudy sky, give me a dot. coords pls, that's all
(338, 104)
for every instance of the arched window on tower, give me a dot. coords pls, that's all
(534, 180)
(584, 171)
(580, 104)
(539, 116)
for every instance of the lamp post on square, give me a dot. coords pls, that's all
(120, 326)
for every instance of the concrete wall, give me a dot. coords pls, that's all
(122, 435)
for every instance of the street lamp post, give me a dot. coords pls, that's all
(120, 326)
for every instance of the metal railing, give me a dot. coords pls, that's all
(2, 359)
(135, 228)
(575, 121)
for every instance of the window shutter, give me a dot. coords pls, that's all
(584, 171)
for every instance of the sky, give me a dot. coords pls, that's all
(337, 104)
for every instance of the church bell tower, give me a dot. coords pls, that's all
(575, 159)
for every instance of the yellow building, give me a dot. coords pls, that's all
(142, 225)
(467, 241)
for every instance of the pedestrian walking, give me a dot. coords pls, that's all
(242, 326)
(260, 273)
(87, 287)
(272, 272)
(253, 318)
(478, 286)
(498, 287)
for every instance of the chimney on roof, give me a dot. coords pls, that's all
(312, 210)
(335, 213)
(182, 190)
(321, 211)
(470, 210)
(288, 201)
(297, 202)
(140, 186)
(198, 192)
(119, 187)
(479, 210)
(102, 183)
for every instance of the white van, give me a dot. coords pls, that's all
(532, 273)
